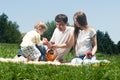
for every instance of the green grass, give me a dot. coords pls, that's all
(8, 50)
(21, 71)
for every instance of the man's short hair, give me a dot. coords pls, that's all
(61, 18)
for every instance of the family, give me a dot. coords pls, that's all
(81, 37)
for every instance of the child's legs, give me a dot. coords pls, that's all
(36, 53)
(42, 49)
(20, 53)
(31, 53)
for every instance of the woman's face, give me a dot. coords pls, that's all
(76, 23)
(61, 26)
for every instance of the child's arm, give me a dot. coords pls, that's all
(45, 41)
(38, 40)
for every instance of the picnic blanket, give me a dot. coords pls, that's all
(22, 59)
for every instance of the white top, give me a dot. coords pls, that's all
(31, 38)
(84, 41)
(60, 37)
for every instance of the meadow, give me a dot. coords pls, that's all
(22, 71)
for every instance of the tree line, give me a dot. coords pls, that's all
(106, 45)
(9, 33)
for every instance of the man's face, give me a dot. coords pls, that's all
(61, 26)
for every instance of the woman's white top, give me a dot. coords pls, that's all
(84, 41)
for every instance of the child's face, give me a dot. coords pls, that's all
(61, 26)
(40, 31)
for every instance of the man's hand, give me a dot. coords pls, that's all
(54, 46)
(50, 44)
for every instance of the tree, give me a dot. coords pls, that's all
(100, 36)
(14, 33)
(9, 32)
(3, 24)
(118, 46)
(105, 44)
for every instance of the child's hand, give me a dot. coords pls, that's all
(45, 40)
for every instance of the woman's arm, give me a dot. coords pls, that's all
(94, 43)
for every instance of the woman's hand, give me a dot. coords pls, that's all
(89, 54)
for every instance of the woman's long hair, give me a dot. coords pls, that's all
(82, 21)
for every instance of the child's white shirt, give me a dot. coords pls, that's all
(31, 38)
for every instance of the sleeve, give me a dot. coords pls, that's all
(38, 40)
(93, 32)
(53, 36)
(70, 40)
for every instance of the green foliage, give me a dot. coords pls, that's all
(100, 36)
(9, 32)
(105, 44)
(51, 26)
(22, 71)
(118, 46)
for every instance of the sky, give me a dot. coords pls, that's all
(103, 15)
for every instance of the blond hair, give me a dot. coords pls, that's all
(41, 25)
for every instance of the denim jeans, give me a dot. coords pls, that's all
(42, 49)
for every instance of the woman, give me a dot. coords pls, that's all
(85, 39)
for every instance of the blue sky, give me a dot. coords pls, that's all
(103, 15)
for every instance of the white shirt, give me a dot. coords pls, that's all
(60, 37)
(31, 38)
(84, 41)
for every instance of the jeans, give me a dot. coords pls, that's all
(42, 49)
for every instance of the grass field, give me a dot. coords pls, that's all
(21, 71)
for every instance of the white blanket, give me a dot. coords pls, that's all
(22, 59)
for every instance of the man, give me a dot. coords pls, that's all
(62, 37)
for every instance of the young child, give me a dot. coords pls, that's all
(31, 39)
